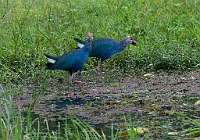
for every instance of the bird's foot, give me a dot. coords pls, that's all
(79, 82)
(98, 71)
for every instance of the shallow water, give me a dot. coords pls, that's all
(150, 102)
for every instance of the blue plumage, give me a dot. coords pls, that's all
(71, 61)
(103, 48)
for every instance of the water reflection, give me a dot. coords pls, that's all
(57, 104)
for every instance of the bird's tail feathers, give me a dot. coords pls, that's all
(79, 42)
(49, 64)
(51, 59)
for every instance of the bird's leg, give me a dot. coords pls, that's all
(79, 72)
(98, 69)
(76, 81)
(71, 77)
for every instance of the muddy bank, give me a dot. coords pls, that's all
(147, 98)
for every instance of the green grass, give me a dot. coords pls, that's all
(167, 33)
(195, 122)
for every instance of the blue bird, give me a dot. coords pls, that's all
(103, 48)
(71, 61)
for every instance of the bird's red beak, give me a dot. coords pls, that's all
(134, 42)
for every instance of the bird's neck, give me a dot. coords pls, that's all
(123, 43)
(88, 46)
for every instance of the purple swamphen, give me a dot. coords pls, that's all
(71, 61)
(103, 48)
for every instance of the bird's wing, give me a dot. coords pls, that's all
(66, 60)
(101, 46)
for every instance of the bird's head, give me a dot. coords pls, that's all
(90, 36)
(131, 40)
(88, 43)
